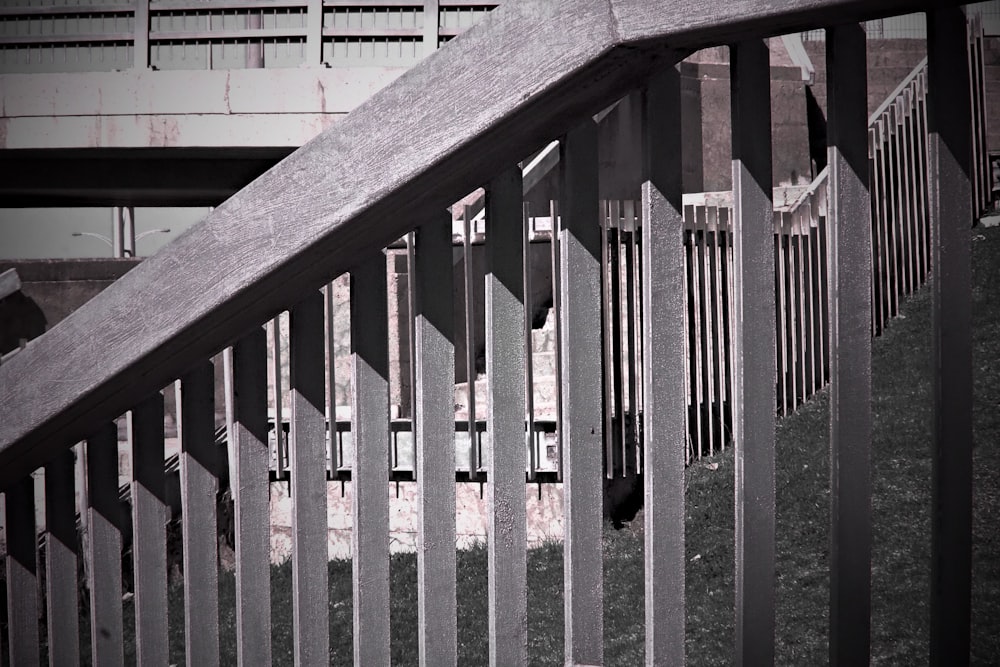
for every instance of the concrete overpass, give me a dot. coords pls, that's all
(162, 138)
(181, 102)
(184, 102)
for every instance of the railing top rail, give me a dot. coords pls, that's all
(525, 75)
(903, 85)
(820, 180)
(811, 189)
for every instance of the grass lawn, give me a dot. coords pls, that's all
(900, 573)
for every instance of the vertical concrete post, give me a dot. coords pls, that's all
(140, 43)
(754, 371)
(850, 268)
(314, 34)
(951, 216)
(431, 22)
(128, 231)
(117, 232)
(663, 362)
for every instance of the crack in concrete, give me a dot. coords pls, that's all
(615, 23)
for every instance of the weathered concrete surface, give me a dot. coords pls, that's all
(705, 116)
(706, 129)
(889, 62)
(544, 505)
(58, 287)
(177, 109)
(163, 138)
(50, 291)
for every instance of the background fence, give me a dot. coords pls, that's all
(897, 146)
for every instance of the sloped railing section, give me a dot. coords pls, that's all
(900, 264)
(531, 72)
(898, 168)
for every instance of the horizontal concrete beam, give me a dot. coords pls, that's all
(253, 107)
(132, 177)
(67, 270)
(284, 130)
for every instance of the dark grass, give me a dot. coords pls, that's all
(901, 547)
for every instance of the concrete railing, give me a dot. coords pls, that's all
(531, 72)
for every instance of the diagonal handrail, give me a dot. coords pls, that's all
(820, 180)
(526, 74)
(898, 91)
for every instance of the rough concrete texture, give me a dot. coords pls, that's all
(705, 115)
(544, 505)
(51, 289)
(706, 131)
(59, 286)
(223, 107)
(889, 62)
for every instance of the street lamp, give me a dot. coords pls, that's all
(165, 230)
(96, 236)
(126, 252)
